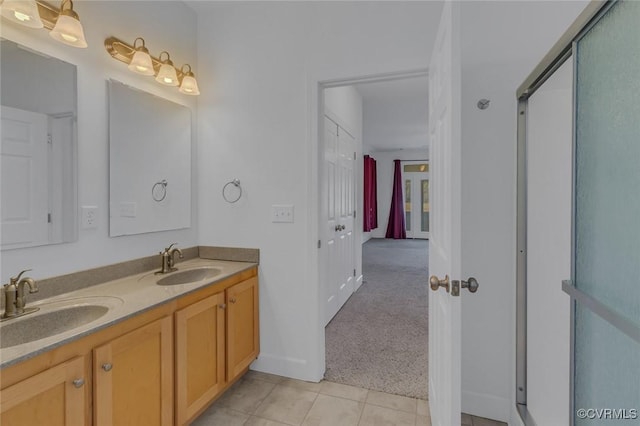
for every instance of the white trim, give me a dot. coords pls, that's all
(283, 366)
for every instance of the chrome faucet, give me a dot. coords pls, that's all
(14, 297)
(167, 258)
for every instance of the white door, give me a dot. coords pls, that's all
(346, 282)
(25, 196)
(445, 240)
(338, 272)
(416, 199)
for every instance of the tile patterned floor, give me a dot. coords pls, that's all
(260, 399)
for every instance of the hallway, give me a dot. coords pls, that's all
(378, 340)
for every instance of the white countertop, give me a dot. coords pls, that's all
(124, 297)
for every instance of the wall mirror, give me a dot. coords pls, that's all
(38, 191)
(149, 162)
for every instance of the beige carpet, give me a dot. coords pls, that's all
(378, 340)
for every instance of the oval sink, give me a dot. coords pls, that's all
(189, 276)
(40, 326)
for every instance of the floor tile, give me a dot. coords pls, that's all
(257, 421)
(266, 377)
(343, 391)
(286, 404)
(423, 408)
(332, 411)
(246, 395)
(466, 420)
(395, 402)
(300, 384)
(372, 415)
(481, 421)
(423, 420)
(217, 415)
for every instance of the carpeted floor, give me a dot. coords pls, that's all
(378, 340)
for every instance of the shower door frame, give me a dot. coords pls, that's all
(558, 54)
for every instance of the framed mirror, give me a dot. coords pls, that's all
(38, 151)
(149, 162)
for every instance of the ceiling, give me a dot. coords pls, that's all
(395, 114)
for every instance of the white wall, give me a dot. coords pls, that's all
(257, 122)
(165, 25)
(384, 165)
(501, 42)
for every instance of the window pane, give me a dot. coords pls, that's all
(416, 168)
(424, 219)
(407, 204)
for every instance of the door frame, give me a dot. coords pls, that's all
(316, 256)
(558, 54)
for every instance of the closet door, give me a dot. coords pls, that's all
(339, 164)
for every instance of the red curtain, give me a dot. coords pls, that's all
(370, 216)
(396, 229)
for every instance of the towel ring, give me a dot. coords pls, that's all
(159, 190)
(227, 198)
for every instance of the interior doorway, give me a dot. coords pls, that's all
(389, 258)
(415, 176)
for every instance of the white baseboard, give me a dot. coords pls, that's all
(284, 366)
(485, 405)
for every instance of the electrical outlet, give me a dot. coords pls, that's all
(282, 213)
(89, 217)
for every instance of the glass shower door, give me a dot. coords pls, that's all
(606, 266)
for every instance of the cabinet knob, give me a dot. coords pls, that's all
(78, 383)
(232, 300)
(222, 306)
(107, 367)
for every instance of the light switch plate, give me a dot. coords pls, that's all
(89, 217)
(282, 213)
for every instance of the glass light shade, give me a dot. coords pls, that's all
(141, 63)
(189, 85)
(24, 12)
(167, 75)
(68, 30)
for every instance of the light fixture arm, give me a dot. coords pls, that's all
(123, 52)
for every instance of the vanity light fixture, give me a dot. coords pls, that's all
(68, 29)
(63, 23)
(167, 74)
(136, 59)
(141, 60)
(23, 12)
(189, 85)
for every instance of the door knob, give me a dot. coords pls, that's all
(472, 285)
(437, 283)
(337, 228)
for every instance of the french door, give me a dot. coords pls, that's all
(415, 176)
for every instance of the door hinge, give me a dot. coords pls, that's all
(354, 272)
(49, 139)
(319, 243)
(48, 217)
(354, 214)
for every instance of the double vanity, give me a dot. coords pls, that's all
(145, 348)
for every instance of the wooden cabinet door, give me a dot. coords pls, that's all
(57, 396)
(243, 337)
(200, 355)
(133, 377)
